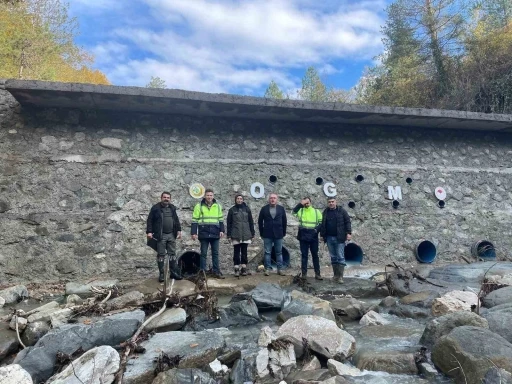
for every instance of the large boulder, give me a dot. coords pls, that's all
(34, 332)
(196, 349)
(388, 361)
(306, 377)
(454, 301)
(322, 332)
(443, 325)
(40, 359)
(268, 296)
(183, 376)
(467, 353)
(498, 297)
(133, 298)
(420, 299)
(14, 374)
(8, 342)
(500, 322)
(337, 368)
(239, 313)
(373, 318)
(409, 311)
(349, 308)
(96, 366)
(14, 294)
(300, 303)
(171, 319)
(84, 289)
(282, 361)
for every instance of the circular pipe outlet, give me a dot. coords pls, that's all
(359, 178)
(272, 178)
(319, 181)
(426, 251)
(441, 204)
(395, 204)
(408, 180)
(351, 204)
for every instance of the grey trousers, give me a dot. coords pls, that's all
(166, 243)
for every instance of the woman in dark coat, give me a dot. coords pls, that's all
(241, 232)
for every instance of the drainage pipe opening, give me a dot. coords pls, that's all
(359, 178)
(483, 249)
(189, 262)
(426, 252)
(395, 204)
(441, 204)
(408, 180)
(351, 204)
(272, 178)
(319, 181)
(353, 253)
(273, 261)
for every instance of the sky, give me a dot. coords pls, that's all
(231, 46)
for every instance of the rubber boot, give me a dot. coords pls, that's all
(237, 271)
(336, 272)
(244, 270)
(342, 271)
(174, 273)
(161, 271)
(318, 276)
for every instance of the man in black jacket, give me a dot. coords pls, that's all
(335, 230)
(164, 226)
(272, 226)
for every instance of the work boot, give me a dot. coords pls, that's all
(318, 276)
(337, 273)
(266, 272)
(218, 275)
(244, 270)
(174, 273)
(237, 271)
(280, 272)
(161, 271)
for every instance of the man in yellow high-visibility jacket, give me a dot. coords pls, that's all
(310, 220)
(208, 227)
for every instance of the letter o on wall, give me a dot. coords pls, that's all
(330, 189)
(257, 190)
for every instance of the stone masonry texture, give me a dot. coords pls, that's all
(76, 185)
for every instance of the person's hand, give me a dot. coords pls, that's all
(221, 235)
(349, 237)
(150, 235)
(179, 235)
(194, 237)
(303, 201)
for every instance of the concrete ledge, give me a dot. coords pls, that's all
(175, 101)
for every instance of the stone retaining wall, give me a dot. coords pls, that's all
(76, 186)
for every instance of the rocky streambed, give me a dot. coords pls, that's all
(429, 324)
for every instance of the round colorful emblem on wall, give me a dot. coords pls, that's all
(196, 190)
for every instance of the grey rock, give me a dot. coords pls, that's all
(325, 332)
(34, 332)
(497, 376)
(171, 320)
(349, 308)
(4, 206)
(14, 374)
(184, 376)
(14, 294)
(39, 360)
(8, 342)
(388, 302)
(96, 366)
(133, 298)
(316, 375)
(196, 348)
(267, 296)
(85, 289)
(66, 238)
(472, 348)
(500, 323)
(236, 314)
(422, 299)
(388, 361)
(111, 143)
(428, 371)
(409, 311)
(498, 297)
(300, 303)
(114, 227)
(443, 325)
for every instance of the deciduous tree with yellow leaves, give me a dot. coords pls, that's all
(37, 42)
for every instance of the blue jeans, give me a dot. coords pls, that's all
(215, 254)
(278, 247)
(305, 246)
(336, 250)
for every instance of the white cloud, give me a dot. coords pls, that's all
(218, 46)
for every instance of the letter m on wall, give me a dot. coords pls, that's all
(394, 193)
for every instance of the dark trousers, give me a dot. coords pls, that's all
(214, 244)
(305, 247)
(166, 243)
(237, 249)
